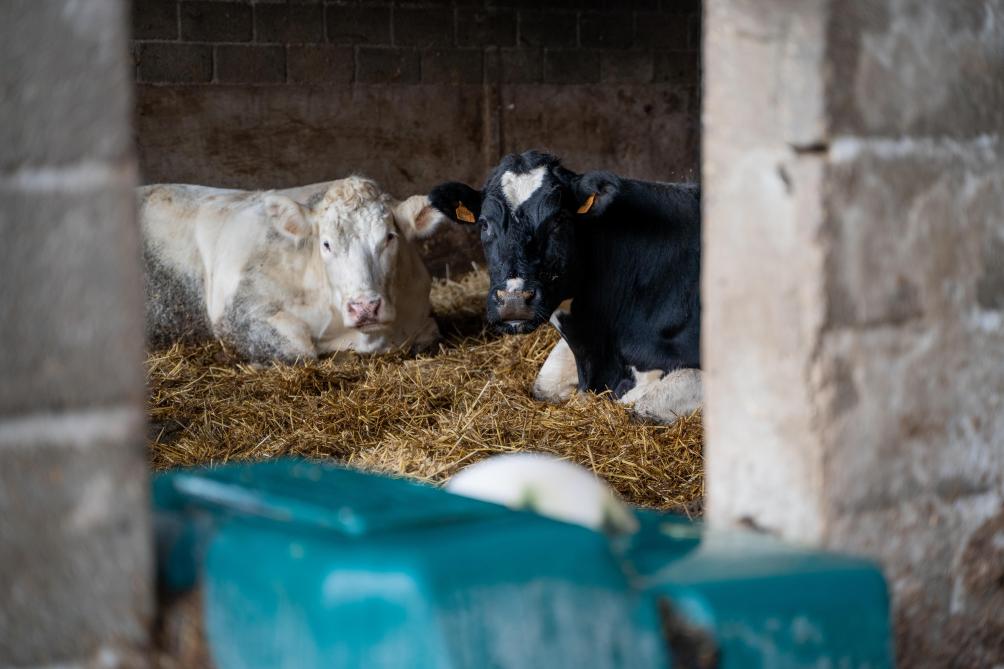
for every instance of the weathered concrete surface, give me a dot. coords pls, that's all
(945, 58)
(409, 138)
(75, 558)
(68, 341)
(854, 296)
(762, 282)
(910, 378)
(74, 561)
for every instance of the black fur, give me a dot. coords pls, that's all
(631, 264)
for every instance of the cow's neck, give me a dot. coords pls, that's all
(577, 268)
(315, 277)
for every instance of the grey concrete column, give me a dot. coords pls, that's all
(75, 549)
(854, 295)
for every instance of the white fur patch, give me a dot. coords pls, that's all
(558, 377)
(665, 397)
(512, 285)
(518, 188)
(646, 378)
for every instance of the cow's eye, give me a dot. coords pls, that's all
(391, 236)
(486, 229)
(327, 245)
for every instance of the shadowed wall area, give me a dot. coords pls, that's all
(266, 95)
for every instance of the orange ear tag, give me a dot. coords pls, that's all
(587, 205)
(464, 214)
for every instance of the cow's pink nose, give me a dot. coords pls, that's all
(365, 311)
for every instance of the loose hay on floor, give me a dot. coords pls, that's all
(423, 417)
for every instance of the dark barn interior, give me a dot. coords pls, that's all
(274, 94)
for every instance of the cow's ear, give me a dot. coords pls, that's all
(287, 216)
(417, 218)
(459, 202)
(594, 191)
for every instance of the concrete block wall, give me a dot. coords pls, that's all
(854, 296)
(265, 94)
(434, 42)
(75, 545)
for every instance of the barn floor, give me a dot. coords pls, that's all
(423, 418)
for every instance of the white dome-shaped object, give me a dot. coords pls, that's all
(546, 485)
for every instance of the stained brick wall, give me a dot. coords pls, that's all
(272, 94)
(268, 42)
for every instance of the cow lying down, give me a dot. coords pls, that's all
(613, 263)
(288, 274)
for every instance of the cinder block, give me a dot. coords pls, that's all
(571, 66)
(175, 63)
(216, 21)
(896, 273)
(621, 66)
(247, 64)
(452, 66)
(376, 65)
(514, 66)
(347, 24)
(289, 24)
(548, 29)
(654, 30)
(51, 65)
(608, 30)
(154, 19)
(320, 64)
(677, 67)
(72, 298)
(478, 28)
(76, 578)
(423, 28)
(882, 88)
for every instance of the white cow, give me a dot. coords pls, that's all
(288, 274)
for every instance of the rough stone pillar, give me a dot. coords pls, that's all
(854, 295)
(75, 550)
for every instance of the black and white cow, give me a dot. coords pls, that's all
(613, 263)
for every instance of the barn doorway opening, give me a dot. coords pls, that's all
(275, 96)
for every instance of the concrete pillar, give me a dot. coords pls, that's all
(854, 295)
(75, 549)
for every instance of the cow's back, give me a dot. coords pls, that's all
(173, 267)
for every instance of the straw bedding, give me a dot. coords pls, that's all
(423, 418)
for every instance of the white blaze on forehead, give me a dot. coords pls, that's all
(512, 285)
(518, 188)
